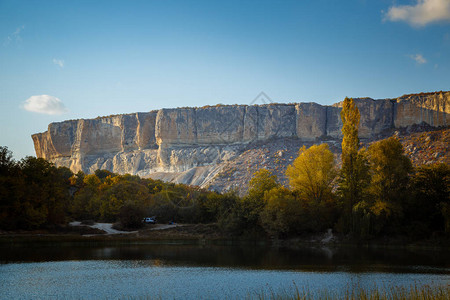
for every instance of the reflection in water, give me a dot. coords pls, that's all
(350, 259)
(191, 272)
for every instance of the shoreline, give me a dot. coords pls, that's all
(203, 234)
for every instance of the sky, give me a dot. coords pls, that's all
(62, 60)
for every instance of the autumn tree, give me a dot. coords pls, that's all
(86, 201)
(354, 174)
(245, 214)
(350, 144)
(262, 181)
(312, 173)
(311, 177)
(390, 169)
(350, 124)
(123, 192)
(281, 213)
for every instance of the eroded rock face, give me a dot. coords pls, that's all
(376, 116)
(311, 121)
(192, 141)
(433, 109)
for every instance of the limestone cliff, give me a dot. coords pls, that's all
(191, 145)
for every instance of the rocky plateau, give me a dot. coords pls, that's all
(220, 146)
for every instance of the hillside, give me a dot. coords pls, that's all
(221, 146)
(422, 144)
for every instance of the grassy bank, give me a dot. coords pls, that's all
(354, 293)
(208, 234)
(190, 238)
(190, 234)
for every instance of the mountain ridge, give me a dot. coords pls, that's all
(192, 145)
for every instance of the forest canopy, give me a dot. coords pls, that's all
(374, 192)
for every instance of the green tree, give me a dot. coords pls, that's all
(312, 173)
(86, 204)
(217, 206)
(102, 174)
(130, 216)
(6, 161)
(124, 191)
(282, 213)
(11, 190)
(445, 210)
(431, 188)
(33, 192)
(390, 169)
(251, 205)
(87, 201)
(229, 212)
(46, 193)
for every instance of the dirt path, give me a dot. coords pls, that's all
(107, 227)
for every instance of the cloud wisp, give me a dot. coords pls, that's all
(418, 58)
(14, 37)
(422, 13)
(45, 104)
(58, 62)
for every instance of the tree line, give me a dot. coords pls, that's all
(374, 191)
(36, 194)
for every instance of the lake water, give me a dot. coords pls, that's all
(65, 271)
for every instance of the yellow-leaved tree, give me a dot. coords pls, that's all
(312, 173)
(354, 175)
(311, 177)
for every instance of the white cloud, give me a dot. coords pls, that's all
(418, 58)
(45, 104)
(15, 36)
(420, 14)
(59, 62)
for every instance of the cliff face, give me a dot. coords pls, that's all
(193, 143)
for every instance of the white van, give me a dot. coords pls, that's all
(149, 220)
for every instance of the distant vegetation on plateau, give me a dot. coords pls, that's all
(374, 192)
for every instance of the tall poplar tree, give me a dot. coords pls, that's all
(350, 123)
(354, 176)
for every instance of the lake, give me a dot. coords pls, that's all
(176, 271)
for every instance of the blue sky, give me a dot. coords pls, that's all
(64, 60)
